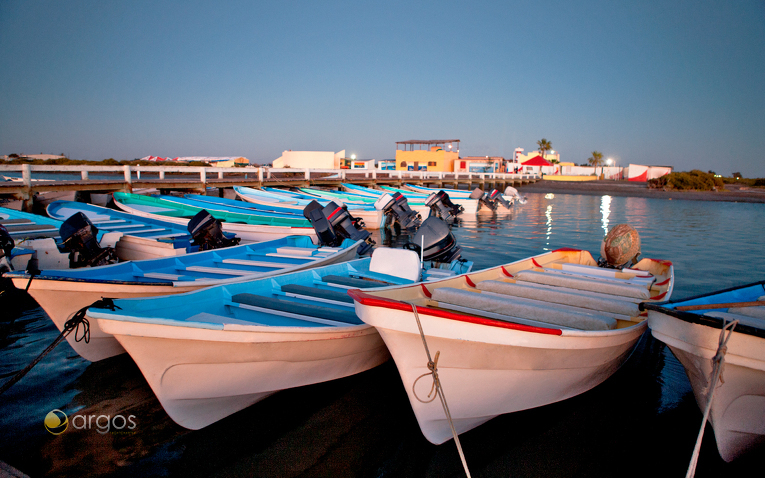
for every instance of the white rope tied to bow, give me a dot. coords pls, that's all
(433, 367)
(717, 365)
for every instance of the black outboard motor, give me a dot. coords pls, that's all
(397, 211)
(80, 238)
(6, 246)
(437, 240)
(491, 199)
(441, 206)
(207, 232)
(333, 224)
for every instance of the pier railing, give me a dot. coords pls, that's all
(23, 181)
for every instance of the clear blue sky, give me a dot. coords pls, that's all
(679, 83)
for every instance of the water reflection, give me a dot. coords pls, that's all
(548, 215)
(605, 210)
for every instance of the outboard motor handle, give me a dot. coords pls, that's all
(397, 211)
(442, 207)
(333, 224)
(80, 239)
(437, 241)
(207, 232)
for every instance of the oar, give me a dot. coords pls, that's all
(720, 306)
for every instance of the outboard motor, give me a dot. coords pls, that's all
(435, 242)
(333, 224)
(513, 193)
(6, 246)
(490, 199)
(207, 232)
(397, 211)
(442, 207)
(80, 238)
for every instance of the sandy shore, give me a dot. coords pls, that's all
(732, 193)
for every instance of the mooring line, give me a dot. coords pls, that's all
(717, 364)
(433, 367)
(72, 324)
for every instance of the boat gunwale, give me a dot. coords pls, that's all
(702, 318)
(368, 298)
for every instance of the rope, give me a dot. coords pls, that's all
(717, 364)
(72, 324)
(433, 367)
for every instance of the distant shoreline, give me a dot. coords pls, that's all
(732, 193)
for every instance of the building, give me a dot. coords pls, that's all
(638, 172)
(218, 162)
(427, 155)
(480, 164)
(551, 156)
(386, 165)
(537, 165)
(312, 160)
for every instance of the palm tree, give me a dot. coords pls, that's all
(596, 160)
(544, 146)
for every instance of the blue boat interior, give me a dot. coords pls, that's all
(740, 294)
(311, 298)
(227, 263)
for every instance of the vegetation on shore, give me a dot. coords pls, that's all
(697, 180)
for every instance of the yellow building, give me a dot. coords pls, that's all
(427, 155)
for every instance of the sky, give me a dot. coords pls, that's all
(675, 83)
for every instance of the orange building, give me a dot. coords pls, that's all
(427, 155)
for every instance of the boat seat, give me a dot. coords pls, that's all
(546, 312)
(31, 227)
(304, 290)
(625, 290)
(572, 298)
(755, 322)
(34, 234)
(216, 270)
(351, 282)
(248, 262)
(756, 311)
(600, 274)
(6, 222)
(295, 256)
(310, 310)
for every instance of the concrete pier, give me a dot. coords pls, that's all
(197, 179)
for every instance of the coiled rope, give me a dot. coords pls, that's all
(433, 367)
(717, 365)
(73, 324)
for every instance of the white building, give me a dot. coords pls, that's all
(310, 160)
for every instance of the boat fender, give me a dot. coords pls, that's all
(620, 247)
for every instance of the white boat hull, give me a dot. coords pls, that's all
(373, 219)
(201, 376)
(62, 299)
(738, 406)
(503, 367)
(247, 232)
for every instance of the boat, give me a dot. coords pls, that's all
(227, 205)
(510, 194)
(249, 227)
(469, 205)
(61, 293)
(139, 238)
(373, 219)
(350, 198)
(693, 330)
(512, 337)
(210, 353)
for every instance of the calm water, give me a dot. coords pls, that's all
(642, 421)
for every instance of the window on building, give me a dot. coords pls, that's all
(403, 164)
(431, 163)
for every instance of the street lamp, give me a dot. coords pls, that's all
(609, 162)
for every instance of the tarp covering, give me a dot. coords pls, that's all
(537, 161)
